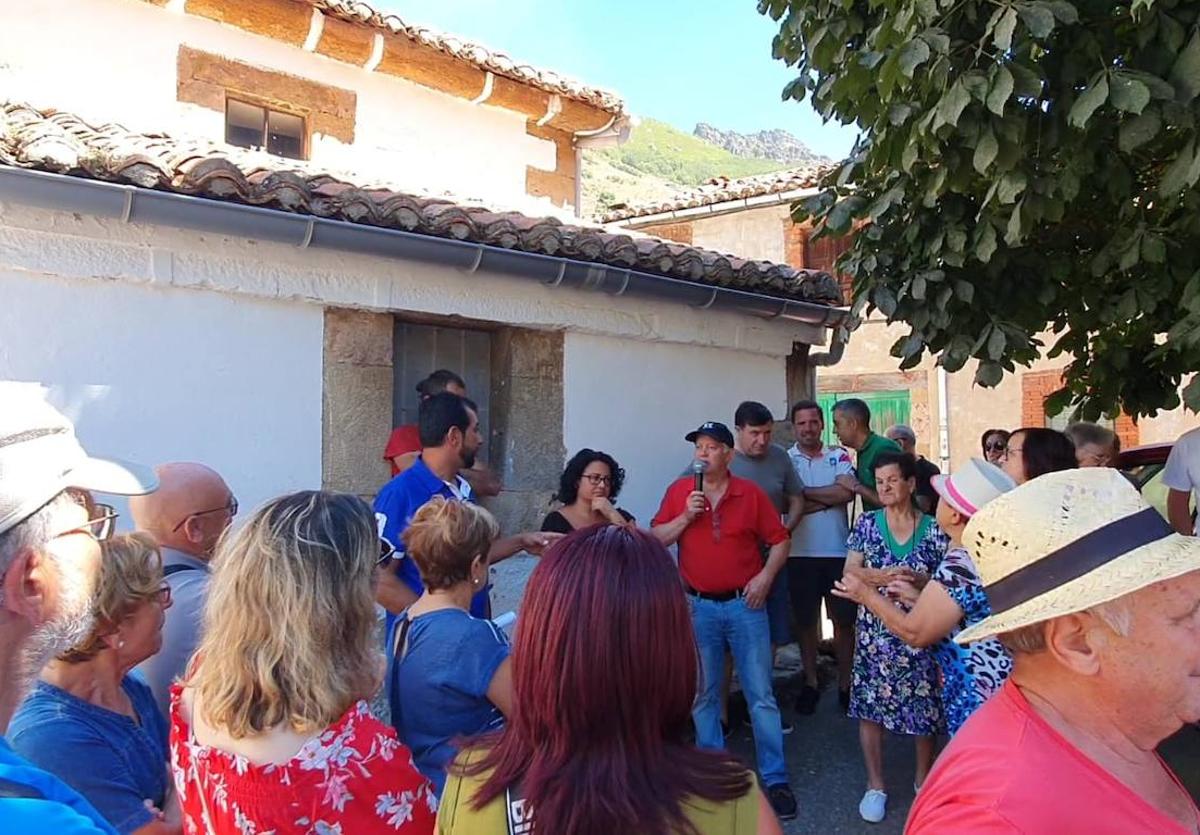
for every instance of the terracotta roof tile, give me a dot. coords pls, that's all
(59, 142)
(491, 60)
(721, 190)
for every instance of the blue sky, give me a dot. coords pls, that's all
(681, 61)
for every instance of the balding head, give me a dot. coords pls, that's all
(189, 511)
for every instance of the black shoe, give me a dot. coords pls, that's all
(806, 702)
(844, 699)
(782, 801)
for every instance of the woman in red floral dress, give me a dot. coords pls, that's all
(270, 730)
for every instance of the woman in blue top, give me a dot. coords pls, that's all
(952, 600)
(449, 673)
(91, 723)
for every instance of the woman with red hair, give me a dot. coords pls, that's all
(604, 675)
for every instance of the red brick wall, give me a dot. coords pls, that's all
(803, 253)
(1036, 386)
(679, 232)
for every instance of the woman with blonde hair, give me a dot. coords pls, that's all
(88, 720)
(450, 674)
(270, 729)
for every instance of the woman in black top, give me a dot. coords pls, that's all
(587, 488)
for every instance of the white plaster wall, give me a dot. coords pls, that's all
(154, 373)
(754, 233)
(74, 246)
(637, 400)
(115, 61)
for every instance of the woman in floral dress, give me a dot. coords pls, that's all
(893, 686)
(270, 729)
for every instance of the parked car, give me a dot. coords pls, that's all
(1144, 465)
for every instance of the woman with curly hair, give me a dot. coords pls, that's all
(589, 485)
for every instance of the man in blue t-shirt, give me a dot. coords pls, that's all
(50, 534)
(449, 428)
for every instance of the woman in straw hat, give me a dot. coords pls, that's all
(893, 686)
(1099, 602)
(952, 599)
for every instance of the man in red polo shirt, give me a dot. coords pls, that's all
(720, 531)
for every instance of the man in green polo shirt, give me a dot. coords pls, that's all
(852, 423)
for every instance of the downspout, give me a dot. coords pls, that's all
(837, 348)
(943, 420)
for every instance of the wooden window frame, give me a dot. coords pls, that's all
(269, 107)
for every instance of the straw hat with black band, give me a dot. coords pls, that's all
(1065, 542)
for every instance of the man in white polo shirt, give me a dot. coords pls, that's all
(819, 551)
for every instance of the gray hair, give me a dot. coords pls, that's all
(32, 532)
(1115, 614)
(903, 430)
(855, 408)
(1092, 434)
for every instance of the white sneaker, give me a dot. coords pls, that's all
(873, 806)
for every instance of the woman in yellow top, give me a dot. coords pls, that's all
(604, 676)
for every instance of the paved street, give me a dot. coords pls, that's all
(828, 775)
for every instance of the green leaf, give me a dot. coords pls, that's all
(1086, 104)
(885, 300)
(965, 291)
(985, 151)
(1063, 11)
(1175, 178)
(842, 214)
(989, 374)
(1003, 33)
(917, 288)
(1028, 83)
(1185, 73)
(1139, 130)
(996, 344)
(1011, 186)
(951, 106)
(1002, 90)
(915, 53)
(1038, 18)
(1128, 94)
(1012, 235)
(1154, 249)
(986, 246)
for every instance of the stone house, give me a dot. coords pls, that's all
(239, 232)
(947, 411)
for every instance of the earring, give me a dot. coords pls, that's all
(121, 643)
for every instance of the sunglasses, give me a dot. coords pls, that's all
(386, 552)
(100, 527)
(995, 446)
(231, 508)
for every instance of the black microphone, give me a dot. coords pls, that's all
(699, 468)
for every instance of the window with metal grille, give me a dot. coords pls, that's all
(254, 126)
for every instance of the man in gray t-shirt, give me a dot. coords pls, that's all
(768, 466)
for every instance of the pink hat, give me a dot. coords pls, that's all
(971, 487)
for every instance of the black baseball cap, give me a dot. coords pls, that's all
(717, 431)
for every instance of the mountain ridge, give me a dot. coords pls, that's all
(773, 144)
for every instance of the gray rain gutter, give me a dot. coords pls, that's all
(132, 204)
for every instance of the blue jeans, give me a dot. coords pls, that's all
(747, 634)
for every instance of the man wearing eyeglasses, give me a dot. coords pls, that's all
(187, 515)
(49, 559)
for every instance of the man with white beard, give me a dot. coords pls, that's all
(50, 533)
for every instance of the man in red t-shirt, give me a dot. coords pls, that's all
(404, 444)
(1099, 603)
(720, 531)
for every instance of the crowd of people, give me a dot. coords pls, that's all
(326, 666)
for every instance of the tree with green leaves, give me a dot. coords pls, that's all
(1022, 168)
